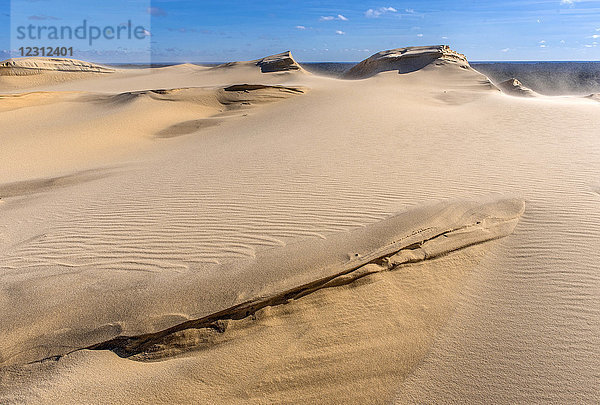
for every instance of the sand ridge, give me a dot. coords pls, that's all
(481, 224)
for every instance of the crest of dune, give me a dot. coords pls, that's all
(281, 62)
(406, 60)
(278, 63)
(34, 66)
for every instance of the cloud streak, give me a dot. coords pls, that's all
(338, 17)
(378, 12)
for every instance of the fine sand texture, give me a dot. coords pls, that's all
(254, 233)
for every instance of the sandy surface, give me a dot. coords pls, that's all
(253, 233)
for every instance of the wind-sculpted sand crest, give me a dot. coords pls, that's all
(439, 243)
(477, 225)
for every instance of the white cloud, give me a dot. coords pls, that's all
(562, 41)
(444, 37)
(409, 10)
(595, 36)
(300, 27)
(505, 50)
(332, 18)
(542, 42)
(543, 46)
(340, 32)
(420, 35)
(376, 12)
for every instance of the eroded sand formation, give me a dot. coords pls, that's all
(38, 65)
(281, 62)
(515, 88)
(406, 60)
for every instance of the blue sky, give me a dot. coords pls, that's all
(224, 30)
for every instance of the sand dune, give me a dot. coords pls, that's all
(170, 77)
(231, 96)
(516, 88)
(24, 73)
(253, 234)
(167, 112)
(406, 60)
(595, 97)
(39, 65)
(281, 62)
